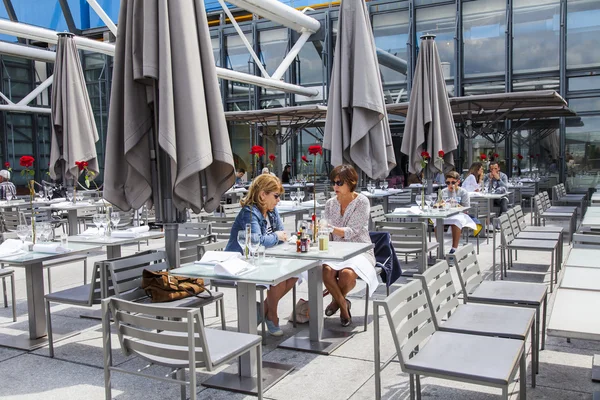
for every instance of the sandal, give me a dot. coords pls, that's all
(347, 321)
(332, 308)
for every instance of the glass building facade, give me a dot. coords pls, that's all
(486, 46)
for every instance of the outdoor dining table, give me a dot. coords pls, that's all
(587, 258)
(297, 211)
(271, 272)
(71, 213)
(434, 213)
(316, 339)
(383, 194)
(34, 279)
(113, 244)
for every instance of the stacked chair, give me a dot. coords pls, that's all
(544, 212)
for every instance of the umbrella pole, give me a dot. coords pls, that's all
(163, 193)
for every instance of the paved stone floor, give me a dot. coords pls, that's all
(76, 371)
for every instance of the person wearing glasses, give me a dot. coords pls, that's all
(497, 182)
(258, 209)
(461, 196)
(348, 216)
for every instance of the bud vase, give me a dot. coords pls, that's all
(31, 195)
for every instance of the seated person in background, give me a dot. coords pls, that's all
(497, 182)
(265, 171)
(287, 172)
(8, 191)
(258, 209)
(348, 215)
(414, 178)
(239, 176)
(475, 179)
(461, 196)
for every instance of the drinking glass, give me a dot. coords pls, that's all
(22, 232)
(97, 220)
(385, 185)
(293, 196)
(254, 243)
(104, 221)
(301, 196)
(241, 238)
(69, 196)
(115, 217)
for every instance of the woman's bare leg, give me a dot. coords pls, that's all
(346, 282)
(455, 235)
(274, 294)
(331, 283)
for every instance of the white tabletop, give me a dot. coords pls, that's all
(112, 241)
(379, 193)
(338, 251)
(494, 196)
(574, 314)
(271, 272)
(434, 213)
(75, 206)
(587, 258)
(581, 278)
(33, 257)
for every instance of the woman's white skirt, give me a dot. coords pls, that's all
(460, 220)
(361, 266)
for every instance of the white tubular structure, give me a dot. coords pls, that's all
(37, 91)
(287, 61)
(24, 109)
(281, 13)
(49, 36)
(103, 16)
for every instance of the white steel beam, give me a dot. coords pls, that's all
(103, 16)
(281, 13)
(30, 52)
(37, 91)
(24, 109)
(9, 101)
(291, 55)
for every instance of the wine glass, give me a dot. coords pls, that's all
(293, 196)
(97, 220)
(69, 196)
(104, 221)
(22, 232)
(301, 196)
(254, 243)
(45, 230)
(241, 238)
(385, 185)
(115, 217)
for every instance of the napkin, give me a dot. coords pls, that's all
(218, 256)
(63, 204)
(308, 203)
(293, 239)
(10, 247)
(54, 248)
(415, 210)
(286, 203)
(131, 232)
(90, 232)
(234, 267)
(58, 200)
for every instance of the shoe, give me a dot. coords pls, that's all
(273, 329)
(331, 309)
(477, 230)
(259, 316)
(347, 321)
(452, 251)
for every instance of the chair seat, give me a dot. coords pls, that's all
(468, 357)
(540, 235)
(222, 346)
(79, 295)
(4, 272)
(502, 291)
(191, 302)
(510, 322)
(546, 228)
(409, 250)
(530, 244)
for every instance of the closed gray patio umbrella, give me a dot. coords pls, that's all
(429, 122)
(166, 101)
(357, 129)
(74, 133)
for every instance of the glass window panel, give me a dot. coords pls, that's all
(240, 145)
(536, 34)
(311, 65)
(583, 153)
(549, 83)
(583, 33)
(440, 21)
(484, 23)
(585, 104)
(584, 83)
(239, 59)
(273, 47)
(216, 51)
(484, 88)
(391, 34)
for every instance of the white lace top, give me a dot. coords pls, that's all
(354, 222)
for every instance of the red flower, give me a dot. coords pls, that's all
(424, 154)
(496, 155)
(441, 153)
(81, 165)
(305, 159)
(7, 165)
(519, 156)
(26, 161)
(272, 157)
(314, 217)
(315, 149)
(258, 151)
(483, 156)
(531, 156)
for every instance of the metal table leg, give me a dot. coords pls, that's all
(439, 236)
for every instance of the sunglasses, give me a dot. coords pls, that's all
(450, 183)
(338, 183)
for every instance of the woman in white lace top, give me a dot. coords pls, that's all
(348, 215)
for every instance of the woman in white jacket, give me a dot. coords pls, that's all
(475, 178)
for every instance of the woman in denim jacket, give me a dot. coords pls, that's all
(258, 210)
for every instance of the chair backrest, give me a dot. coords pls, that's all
(152, 332)
(405, 235)
(194, 229)
(556, 194)
(95, 284)
(320, 197)
(538, 206)
(482, 207)
(561, 189)
(126, 272)
(506, 232)
(467, 267)
(403, 198)
(214, 246)
(545, 200)
(514, 222)
(188, 248)
(527, 190)
(220, 226)
(520, 216)
(440, 291)
(409, 318)
(583, 241)
(231, 210)
(377, 213)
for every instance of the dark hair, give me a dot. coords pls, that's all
(475, 167)
(346, 173)
(287, 166)
(493, 163)
(242, 170)
(453, 174)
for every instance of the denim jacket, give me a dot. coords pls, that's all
(252, 215)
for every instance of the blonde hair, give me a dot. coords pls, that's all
(262, 183)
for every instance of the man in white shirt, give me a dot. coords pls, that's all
(8, 191)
